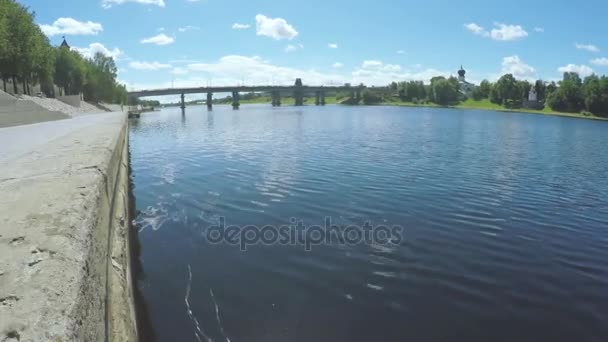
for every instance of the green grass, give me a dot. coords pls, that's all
(485, 104)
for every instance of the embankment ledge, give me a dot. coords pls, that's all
(64, 231)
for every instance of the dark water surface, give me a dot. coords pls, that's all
(504, 216)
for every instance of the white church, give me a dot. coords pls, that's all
(464, 87)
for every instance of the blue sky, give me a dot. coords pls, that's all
(158, 43)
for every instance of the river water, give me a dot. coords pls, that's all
(503, 224)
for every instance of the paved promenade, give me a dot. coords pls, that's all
(64, 255)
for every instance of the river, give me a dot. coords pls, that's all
(502, 221)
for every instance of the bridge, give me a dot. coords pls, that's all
(298, 91)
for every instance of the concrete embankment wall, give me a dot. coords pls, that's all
(64, 235)
(72, 100)
(15, 112)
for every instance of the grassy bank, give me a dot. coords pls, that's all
(487, 105)
(468, 104)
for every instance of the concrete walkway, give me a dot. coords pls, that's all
(64, 259)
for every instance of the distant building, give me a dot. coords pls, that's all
(532, 101)
(464, 87)
(532, 97)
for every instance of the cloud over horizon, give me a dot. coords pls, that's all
(148, 65)
(515, 66)
(581, 70)
(71, 26)
(92, 49)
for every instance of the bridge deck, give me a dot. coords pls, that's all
(246, 89)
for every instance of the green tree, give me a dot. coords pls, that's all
(550, 88)
(495, 95)
(70, 71)
(369, 97)
(570, 91)
(444, 91)
(524, 87)
(5, 49)
(541, 90)
(507, 91)
(482, 91)
(20, 27)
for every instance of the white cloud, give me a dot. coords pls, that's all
(71, 26)
(161, 39)
(179, 71)
(234, 69)
(515, 66)
(400, 52)
(600, 61)
(148, 65)
(374, 72)
(188, 28)
(502, 32)
(94, 48)
(539, 29)
(507, 32)
(110, 3)
(588, 47)
(238, 26)
(476, 29)
(184, 60)
(332, 45)
(337, 65)
(582, 70)
(293, 48)
(276, 28)
(161, 29)
(378, 65)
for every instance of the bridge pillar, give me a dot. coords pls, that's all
(298, 94)
(183, 105)
(322, 97)
(209, 101)
(235, 100)
(298, 98)
(276, 98)
(358, 96)
(317, 97)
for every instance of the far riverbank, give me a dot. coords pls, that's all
(468, 104)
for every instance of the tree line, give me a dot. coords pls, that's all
(572, 94)
(27, 58)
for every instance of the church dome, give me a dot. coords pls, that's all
(461, 72)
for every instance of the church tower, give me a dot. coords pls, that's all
(64, 44)
(461, 74)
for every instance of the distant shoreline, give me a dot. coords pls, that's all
(469, 104)
(495, 109)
